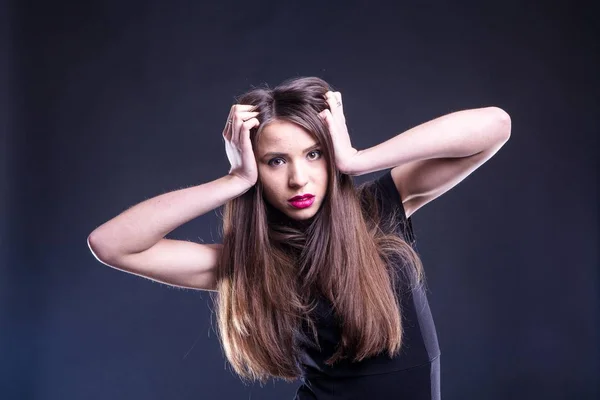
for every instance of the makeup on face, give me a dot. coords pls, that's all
(292, 170)
(302, 201)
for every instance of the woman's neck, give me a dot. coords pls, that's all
(277, 217)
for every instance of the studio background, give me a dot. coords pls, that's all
(108, 103)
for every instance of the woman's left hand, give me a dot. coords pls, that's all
(336, 122)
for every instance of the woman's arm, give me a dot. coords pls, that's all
(456, 135)
(134, 240)
(431, 158)
(143, 225)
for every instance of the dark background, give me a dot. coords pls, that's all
(108, 103)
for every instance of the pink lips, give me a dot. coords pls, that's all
(303, 201)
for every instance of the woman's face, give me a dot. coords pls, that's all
(290, 164)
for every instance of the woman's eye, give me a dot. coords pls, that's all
(314, 154)
(274, 162)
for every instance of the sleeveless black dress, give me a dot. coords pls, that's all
(412, 375)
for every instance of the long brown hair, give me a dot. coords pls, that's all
(271, 268)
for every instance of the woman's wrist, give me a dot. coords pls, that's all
(242, 185)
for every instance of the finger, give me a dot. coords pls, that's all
(338, 96)
(240, 117)
(249, 124)
(240, 122)
(239, 107)
(245, 115)
(227, 128)
(327, 118)
(323, 114)
(244, 107)
(245, 130)
(227, 131)
(229, 125)
(338, 99)
(332, 101)
(236, 125)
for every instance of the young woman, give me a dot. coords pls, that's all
(315, 279)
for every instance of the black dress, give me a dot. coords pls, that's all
(412, 375)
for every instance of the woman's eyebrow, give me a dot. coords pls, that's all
(275, 154)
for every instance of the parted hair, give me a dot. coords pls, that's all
(272, 269)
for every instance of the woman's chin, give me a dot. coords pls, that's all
(301, 214)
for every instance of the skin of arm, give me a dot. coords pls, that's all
(426, 160)
(143, 225)
(431, 158)
(456, 135)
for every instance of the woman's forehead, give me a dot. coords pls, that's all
(286, 134)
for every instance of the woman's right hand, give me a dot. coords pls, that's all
(237, 142)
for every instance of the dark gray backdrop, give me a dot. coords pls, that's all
(113, 102)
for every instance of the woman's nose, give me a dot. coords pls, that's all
(298, 176)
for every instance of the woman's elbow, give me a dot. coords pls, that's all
(502, 121)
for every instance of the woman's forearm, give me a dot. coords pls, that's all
(143, 225)
(459, 134)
